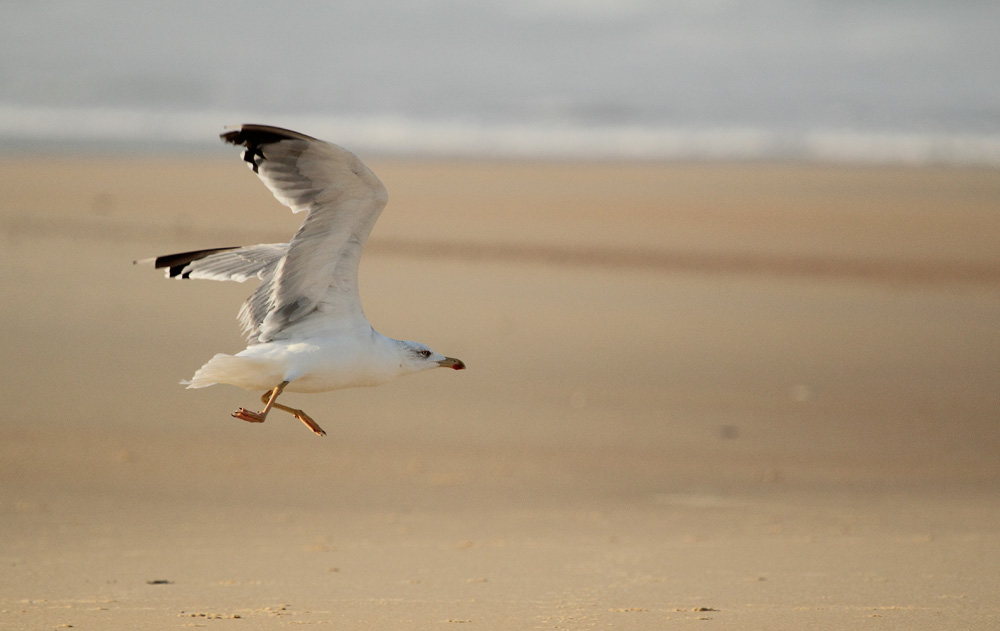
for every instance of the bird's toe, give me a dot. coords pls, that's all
(248, 415)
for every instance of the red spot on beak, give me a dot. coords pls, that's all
(453, 363)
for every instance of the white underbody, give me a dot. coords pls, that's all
(320, 364)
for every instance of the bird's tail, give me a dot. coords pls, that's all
(250, 373)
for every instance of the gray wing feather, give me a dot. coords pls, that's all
(234, 263)
(238, 264)
(317, 277)
(258, 261)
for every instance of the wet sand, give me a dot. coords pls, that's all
(730, 396)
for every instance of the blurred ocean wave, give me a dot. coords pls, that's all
(108, 129)
(827, 80)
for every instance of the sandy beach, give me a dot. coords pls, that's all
(712, 396)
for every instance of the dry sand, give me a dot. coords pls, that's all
(698, 396)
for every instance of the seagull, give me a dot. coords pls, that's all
(305, 327)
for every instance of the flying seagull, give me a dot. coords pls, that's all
(305, 328)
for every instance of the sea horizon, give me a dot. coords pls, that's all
(819, 81)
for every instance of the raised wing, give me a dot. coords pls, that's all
(318, 276)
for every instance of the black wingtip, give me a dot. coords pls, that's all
(253, 137)
(175, 263)
(260, 135)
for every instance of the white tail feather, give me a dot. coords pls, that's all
(249, 373)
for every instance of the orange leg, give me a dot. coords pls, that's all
(302, 416)
(269, 399)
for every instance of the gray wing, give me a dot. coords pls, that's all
(315, 284)
(234, 263)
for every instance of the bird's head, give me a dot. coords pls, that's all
(417, 357)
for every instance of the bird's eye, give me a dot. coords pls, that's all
(425, 353)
